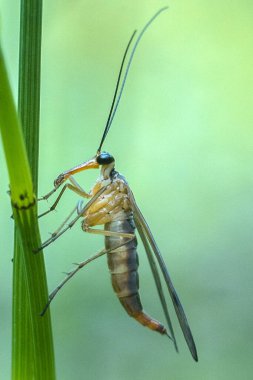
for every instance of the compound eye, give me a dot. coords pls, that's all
(104, 158)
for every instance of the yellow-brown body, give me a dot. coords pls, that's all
(112, 204)
(112, 209)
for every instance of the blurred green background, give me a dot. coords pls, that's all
(183, 138)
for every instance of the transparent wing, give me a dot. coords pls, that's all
(157, 279)
(148, 238)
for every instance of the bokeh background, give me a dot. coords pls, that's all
(183, 138)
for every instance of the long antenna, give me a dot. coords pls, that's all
(107, 126)
(114, 105)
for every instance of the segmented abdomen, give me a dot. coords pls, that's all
(123, 265)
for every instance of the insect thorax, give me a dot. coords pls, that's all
(113, 204)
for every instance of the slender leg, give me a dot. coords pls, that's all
(44, 197)
(55, 203)
(108, 233)
(78, 189)
(56, 233)
(78, 208)
(73, 187)
(61, 230)
(73, 272)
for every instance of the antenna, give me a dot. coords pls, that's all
(115, 92)
(115, 102)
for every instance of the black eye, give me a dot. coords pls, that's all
(105, 158)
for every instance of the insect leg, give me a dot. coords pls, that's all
(61, 230)
(69, 276)
(108, 233)
(55, 203)
(73, 272)
(57, 232)
(73, 187)
(46, 196)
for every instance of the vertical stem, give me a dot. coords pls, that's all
(32, 350)
(29, 79)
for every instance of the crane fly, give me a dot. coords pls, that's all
(112, 204)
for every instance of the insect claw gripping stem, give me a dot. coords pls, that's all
(50, 298)
(45, 309)
(46, 243)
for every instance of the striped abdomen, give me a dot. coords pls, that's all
(123, 265)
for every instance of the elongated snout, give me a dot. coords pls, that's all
(91, 164)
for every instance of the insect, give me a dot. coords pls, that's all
(112, 204)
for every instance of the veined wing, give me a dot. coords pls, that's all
(157, 279)
(145, 231)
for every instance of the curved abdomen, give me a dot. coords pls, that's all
(123, 265)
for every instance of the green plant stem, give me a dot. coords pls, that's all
(29, 110)
(29, 79)
(32, 339)
(32, 347)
